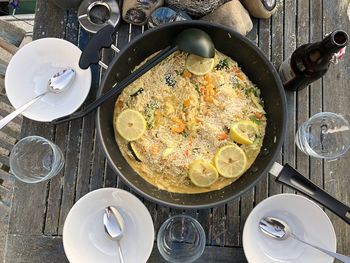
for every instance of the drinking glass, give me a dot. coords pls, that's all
(325, 135)
(181, 238)
(35, 159)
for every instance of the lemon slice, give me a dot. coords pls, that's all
(130, 124)
(199, 65)
(244, 132)
(230, 161)
(202, 173)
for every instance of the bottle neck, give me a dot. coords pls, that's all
(334, 42)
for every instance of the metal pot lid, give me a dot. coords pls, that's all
(93, 15)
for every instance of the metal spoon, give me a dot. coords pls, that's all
(59, 82)
(114, 226)
(278, 229)
(192, 40)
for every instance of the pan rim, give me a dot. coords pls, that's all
(270, 162)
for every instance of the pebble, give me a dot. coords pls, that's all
(196, 8)
(233, 15)
(137, 12)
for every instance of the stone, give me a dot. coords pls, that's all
(164, 15)
(260, 8)
(233, 15)
(137, 12)
(196, 8)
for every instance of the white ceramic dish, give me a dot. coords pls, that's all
(28, 73)
(306, 219)
(84, 237)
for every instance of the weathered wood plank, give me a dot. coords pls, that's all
(86, 152)
(96, 180)
(62, 130)
(315, 89)
(233, 234)
(210, 254)
(219, 226)
(205, 218)
(73, 142)
(289, 47)
(246, 207)
(29, 249)
(337, 99)
(302, 107)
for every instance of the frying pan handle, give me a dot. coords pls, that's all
(104, 38)
(291, 177)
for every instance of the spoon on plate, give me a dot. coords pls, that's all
(191, 40)
(59, 82)
(278, 229)
(114, 226)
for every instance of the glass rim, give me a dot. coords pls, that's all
(50, 174)
(167, 222)
(321, 114)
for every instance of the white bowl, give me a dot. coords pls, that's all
(307, 221)
(84, 236)
(30, 69)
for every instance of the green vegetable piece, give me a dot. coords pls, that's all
(254, 90)
(223, 64)
(149, 113)
(196, 86)
(134, 152)
(254, 119)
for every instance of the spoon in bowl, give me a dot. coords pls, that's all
(59, 82)
(191, 40)
(114, 226)
(278, 229)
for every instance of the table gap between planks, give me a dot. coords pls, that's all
(38, 211)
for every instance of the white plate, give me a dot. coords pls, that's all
(30, 69)
(306, 219)
(84, 237)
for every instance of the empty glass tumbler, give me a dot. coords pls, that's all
(35, 159)
(325, 135)
(181, 238)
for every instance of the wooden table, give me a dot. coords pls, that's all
(38, 211)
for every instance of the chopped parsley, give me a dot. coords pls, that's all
(149, 112)
(254, 119)
(223, 64)
(254, 90)
(184, 134)
(196, 86)
(235, 82)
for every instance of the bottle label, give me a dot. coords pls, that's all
(286, 72)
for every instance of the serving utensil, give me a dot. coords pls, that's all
(59, 82)
(114, 226)
(278, 229)
(191, 40)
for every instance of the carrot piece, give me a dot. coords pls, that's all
(258, 115)
(179, 126)
(187, 74)
(187, 153)
(187, 102)
(222, 136)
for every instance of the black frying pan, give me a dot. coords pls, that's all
(259, 70)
